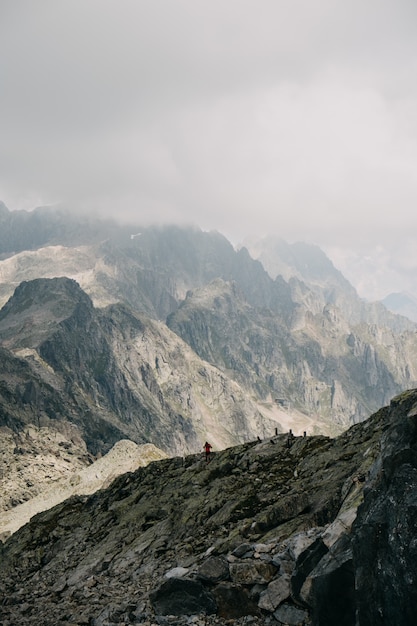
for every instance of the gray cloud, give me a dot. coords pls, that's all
(294, 117)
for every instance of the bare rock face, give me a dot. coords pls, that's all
(35, 456)
(181, 528)
(308, 340)
(385, 530)
(115, 374)
(46, 468)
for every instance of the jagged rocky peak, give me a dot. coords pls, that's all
(115, 373)
(302, 260)
(288, 530)
(36, 306)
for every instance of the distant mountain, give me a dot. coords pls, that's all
(113, 373)
(301, 260)
(308, 264)
(173, 336)
(402, 304)
(31, 230)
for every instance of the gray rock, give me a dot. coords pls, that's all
(305, 564)
(252, 572)
(263, 547)
(214, 569)
(234, 601)
(277, 591)
(177, 572)
(384, 532)
(329, 589)
(242, 549)
(181, 596)
(291, 615)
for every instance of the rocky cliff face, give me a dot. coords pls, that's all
(315, 360)
(114, 374)
(305, 264)
(307, 341)
(308, 530)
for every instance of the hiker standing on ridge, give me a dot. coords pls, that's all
(207, 448)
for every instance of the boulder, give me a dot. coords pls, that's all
(233, 601)
(243, 549)
(305, 564)
(182, 596)
(252, 572)
(214, 569)
(291, 615)
(329, 589)
(277, 591)
(177, 572)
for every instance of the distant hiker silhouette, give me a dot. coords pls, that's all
(290, 438)
(207, 448)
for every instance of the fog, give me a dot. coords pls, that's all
(285, 117)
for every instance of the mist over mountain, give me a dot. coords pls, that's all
(402, 304)
(163, 318)
(308, 263)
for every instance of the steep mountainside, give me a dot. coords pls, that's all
(311, 530)
(307, 264)
(113, 373)
(309, 343)
(319, 363)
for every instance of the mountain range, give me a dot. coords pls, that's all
(123, 344)
(170, 335)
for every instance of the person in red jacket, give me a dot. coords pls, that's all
(207, 448)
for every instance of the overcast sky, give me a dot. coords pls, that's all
(291, 117)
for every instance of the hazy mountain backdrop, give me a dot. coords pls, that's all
(170, 335)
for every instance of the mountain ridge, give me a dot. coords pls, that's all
(288, 341)
(108, 364)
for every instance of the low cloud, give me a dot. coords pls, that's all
(291, 118)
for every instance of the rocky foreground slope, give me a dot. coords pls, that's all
(309, 530)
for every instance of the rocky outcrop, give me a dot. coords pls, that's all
(267, 532)
(33, 456)
(384, 541)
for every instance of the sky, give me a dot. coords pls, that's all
(250, 117)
